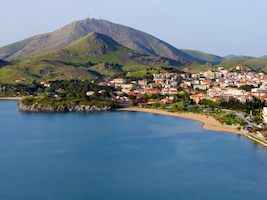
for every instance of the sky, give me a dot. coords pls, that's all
(220, 27)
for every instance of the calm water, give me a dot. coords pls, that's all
(124, 155)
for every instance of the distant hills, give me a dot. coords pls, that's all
(126, 36)
(92, 49)
(258, 64)
(91, 57)
(204, 56)
(9, 50)
(231, 56)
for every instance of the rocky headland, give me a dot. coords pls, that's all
(38, 107)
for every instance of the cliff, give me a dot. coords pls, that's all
(38, 107)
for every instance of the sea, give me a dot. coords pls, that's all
(121, 155)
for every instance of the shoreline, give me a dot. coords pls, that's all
(11, 98)
(208, 122)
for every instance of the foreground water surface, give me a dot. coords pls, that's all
(124, 155)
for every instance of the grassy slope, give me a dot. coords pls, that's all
(204, 56)
(3, 63)
(239, 58)
(126, 36)
(255, 64)
(8, 50)
(71, 62)
(98, 48)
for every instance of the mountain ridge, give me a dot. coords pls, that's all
(126, 36)
(91, 57)
(204, 56)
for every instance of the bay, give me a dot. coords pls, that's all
(124, 155)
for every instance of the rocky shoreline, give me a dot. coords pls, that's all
(38, 107)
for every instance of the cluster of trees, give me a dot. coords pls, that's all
(77, 86)
(8, 89)
(73, 92)
(252, 107)
(255, 105)
(64, 88)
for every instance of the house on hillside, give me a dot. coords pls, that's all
(142, 82)
(90, 93)
(19, 80)
(119, 80)
(166, 100)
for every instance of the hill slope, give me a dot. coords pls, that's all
(203, 56)
(255, 63)
(230, 56)
(9, 50)
(90, 57)
(3, 63)
(125, 36)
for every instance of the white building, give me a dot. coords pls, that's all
(119, 80)
(264, 114)
(90, 93)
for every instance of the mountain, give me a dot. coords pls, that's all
(230, 56)
(98, 48)
(9, 50)
(204, 56)
(263, 56)
(91, 57)
(242, 57)
(126, 36)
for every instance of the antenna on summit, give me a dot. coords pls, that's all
(100, 16)
(88, 17)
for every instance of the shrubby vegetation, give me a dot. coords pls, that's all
(69, 101)
(73, 92)
(10, 90)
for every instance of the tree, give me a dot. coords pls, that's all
(40, 90)
(124, 95)
(132, 97)
(96, 94)
(50, 89)
(156, 105)
(134, 103)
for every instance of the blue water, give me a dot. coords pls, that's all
(124, 155)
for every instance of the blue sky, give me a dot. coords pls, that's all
(212, 26)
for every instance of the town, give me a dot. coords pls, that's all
(235, 97)
(239, 85)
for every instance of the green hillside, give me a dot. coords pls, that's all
(3, 63)
(204, 56)
(230, 56)
(255, 63)
(9, 50)
(126, 36)
(91, 57)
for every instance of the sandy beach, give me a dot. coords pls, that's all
(11, 98)
(209, 123)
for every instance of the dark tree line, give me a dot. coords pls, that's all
(234, 104)
(78, 86)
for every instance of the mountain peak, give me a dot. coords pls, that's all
(93, 44)
(126, 36)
